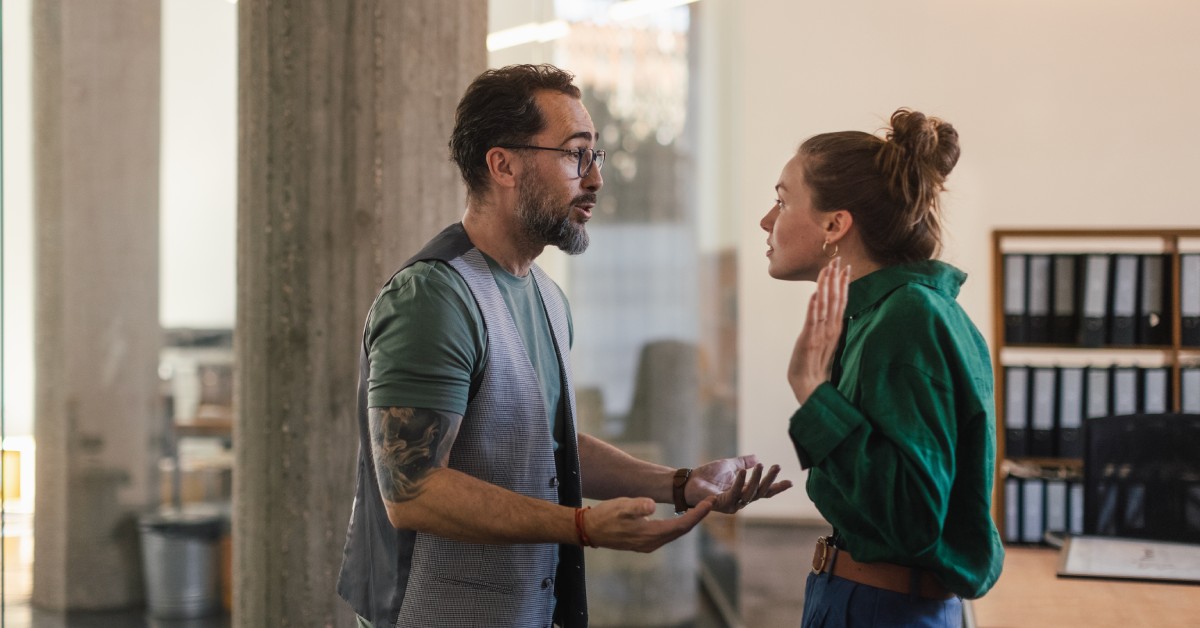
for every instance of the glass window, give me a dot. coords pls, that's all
(654, 296)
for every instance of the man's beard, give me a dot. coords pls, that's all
(539, 216)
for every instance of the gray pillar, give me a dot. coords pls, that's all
(96, 146)
(345, 109)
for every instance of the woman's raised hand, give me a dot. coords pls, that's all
(812, 357)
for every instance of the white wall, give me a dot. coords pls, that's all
(199, 163)
(18, 219)
(1070, 112)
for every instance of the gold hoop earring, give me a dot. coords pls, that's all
(825, 250)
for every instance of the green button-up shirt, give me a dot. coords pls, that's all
(901, 447)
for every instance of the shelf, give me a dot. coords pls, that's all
(1037, 467)
(1041, 355)
(1073, 233)
(1171, 243)
(210, 420)
(1159, 348)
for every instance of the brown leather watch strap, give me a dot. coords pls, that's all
(681, 479)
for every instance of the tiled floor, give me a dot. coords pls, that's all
(752, 577)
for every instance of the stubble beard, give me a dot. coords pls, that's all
(540, 217)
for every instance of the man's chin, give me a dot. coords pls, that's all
(576, 242)
(574, 248)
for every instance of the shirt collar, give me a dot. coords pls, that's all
(868, 290)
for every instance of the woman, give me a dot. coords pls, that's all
(894, 381)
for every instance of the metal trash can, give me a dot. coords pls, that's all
(180, 561)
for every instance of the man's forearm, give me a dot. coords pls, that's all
(411, 449)
(609, 472)
(457, 506)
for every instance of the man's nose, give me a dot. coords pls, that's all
(594, 180)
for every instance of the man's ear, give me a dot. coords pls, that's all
(837, 224)
(503, 167)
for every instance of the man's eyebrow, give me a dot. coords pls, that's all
(587, 135)
(780, 186)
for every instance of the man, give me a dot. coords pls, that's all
(471, 472)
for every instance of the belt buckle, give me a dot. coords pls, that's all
(820, 559)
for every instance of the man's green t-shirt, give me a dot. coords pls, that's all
(427, 342)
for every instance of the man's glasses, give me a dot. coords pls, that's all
(585, 158)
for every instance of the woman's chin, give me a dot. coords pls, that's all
(785, 274)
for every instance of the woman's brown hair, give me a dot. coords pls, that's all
(889, 184)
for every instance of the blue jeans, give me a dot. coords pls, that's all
(832, 602)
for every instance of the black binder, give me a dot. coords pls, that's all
(1156, 391)
(1057, 506)
(1094, 310)
(1033, 510)
(1075, 512)
(1039, 298)
(1098, 388)
(1016, 411)
(1012, 510)
(1189, 386)
(1064, 320)
(1123, 306)
(1154, 324)
(1016, 313)
(1189, 297)
(1070, 412)
(1041, 416)
(1125, 398)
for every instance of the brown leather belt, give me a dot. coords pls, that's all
(887, 576)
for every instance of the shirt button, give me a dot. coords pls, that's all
(554, 482)
(547, 582)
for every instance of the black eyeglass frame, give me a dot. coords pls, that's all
(597, 156)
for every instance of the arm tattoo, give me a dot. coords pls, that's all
(408, 443)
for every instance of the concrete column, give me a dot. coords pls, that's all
(97, 417)
(345, 109)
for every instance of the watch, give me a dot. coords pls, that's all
(681, 479)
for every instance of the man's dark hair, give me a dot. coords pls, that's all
(498, 108)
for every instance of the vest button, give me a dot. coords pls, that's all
(554, 482)
(547, 582)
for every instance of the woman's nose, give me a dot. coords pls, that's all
(768, 220)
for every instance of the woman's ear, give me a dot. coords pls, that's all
(503, 167)
(838, 224)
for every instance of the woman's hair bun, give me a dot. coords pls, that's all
(929, 142)
(891, 183)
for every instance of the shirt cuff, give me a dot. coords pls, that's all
(824, 421)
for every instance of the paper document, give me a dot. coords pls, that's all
(1102, 557)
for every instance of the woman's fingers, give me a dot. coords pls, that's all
(827, 291)
(845, 283)
(822, 294)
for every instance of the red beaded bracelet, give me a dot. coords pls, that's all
(579, 527)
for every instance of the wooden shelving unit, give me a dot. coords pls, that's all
(1173, 355)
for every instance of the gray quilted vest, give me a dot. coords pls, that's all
(409, 579)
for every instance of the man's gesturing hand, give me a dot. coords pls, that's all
(624, 523)
(734, 482)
